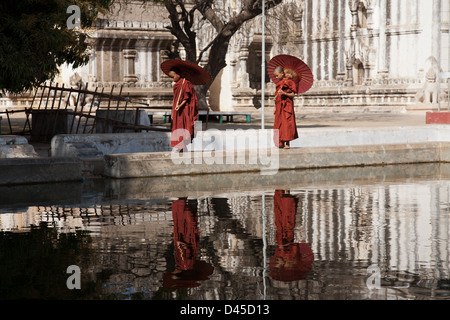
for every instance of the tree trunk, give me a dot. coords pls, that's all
(225, 31)
(216, 63)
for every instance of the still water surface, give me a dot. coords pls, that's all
(375, 238)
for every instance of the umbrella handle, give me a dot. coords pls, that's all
(179, 95)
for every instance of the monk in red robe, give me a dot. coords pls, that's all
(184, 111)
(284, 109)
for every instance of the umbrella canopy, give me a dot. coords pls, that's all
(295, 69)
(190, 278)
(192, 72)
(291, 262)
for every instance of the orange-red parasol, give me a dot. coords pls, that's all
(291, 262)
(190, 278)
(192, 72)
(295, 69)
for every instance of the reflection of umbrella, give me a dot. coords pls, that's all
(194, 73)
(188, 278)
(291, 262)
(294, 68)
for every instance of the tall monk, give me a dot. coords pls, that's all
(184, 111)
(284, 109)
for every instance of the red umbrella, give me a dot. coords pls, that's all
(194, 73)
(295, 69)
(291, 262)
(190, 278)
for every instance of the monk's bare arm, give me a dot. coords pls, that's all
(180, 105)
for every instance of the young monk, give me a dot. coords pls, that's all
(184, 111)
(284, 109)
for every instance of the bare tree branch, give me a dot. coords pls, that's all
(205, 8)
(200, 55)
(187, 39)
(183, 18)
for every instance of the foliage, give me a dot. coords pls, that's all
(35, 39)
(33, 264)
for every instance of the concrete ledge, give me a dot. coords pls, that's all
(213, 139)
(108, 191)
(12, 146)
(349, 146)
(270, 161)
(207, 185)
(12, 139)
(39, 170)
(68, 145)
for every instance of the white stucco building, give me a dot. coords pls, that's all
(369, 54)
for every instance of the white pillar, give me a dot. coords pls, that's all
(129, 72)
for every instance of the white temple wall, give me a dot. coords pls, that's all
(386, 45)
(389, 47)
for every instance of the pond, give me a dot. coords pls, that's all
(376, 233)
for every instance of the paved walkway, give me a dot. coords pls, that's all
(321, 120)
(303, 119)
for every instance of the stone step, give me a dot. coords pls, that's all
(17, 151)
(82, 150)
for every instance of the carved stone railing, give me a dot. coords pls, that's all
(105, 24)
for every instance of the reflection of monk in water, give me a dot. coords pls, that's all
(188, 271)
(291, 261)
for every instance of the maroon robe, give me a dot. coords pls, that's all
(291, 261)
(183, 120)
(189, 270)
(284, 112)
(186, 234)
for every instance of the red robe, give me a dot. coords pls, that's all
(189, 271)
(285, 209)
(291, 261)
(186, 234)
(284, 112)
(183, 120)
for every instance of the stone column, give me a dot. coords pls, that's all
(370, 13)
(353, 4)
(233, 72)
(341, 46)
(243, 58)
(129, 75)
(371, 57)
(382, 69)
(349, 68)
(436, 29)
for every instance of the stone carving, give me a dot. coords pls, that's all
(429, 93)
(76, 82)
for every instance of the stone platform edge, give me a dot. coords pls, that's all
(161, 164)
(16, 171)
